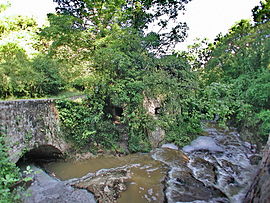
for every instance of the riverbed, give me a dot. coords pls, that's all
(216, 167)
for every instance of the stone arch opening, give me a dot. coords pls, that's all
(42, 154)
(118, 111)
(157, 110)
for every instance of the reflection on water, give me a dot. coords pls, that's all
(145, 184)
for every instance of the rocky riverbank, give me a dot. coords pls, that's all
(217, 167)
(45, 189)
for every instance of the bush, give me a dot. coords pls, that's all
(86, 126)
(9, 175)
(50, 81)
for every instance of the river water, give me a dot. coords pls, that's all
(144, 184)
(214, 168)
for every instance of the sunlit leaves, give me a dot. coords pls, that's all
(100, 16)
(242, 51)
(261, 14)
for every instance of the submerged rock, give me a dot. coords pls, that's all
(170, 157)
(46, 189)
(205, 170)
(106, 184)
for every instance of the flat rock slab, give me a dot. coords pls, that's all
(46, 189)
(106, 184)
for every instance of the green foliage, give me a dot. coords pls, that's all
(70, 48)
(4, 6)
(264, 123)
(50, 81)
(9, 175)
(258, 91)
(101, 16)
(17, 77)
(23, 73)
(220, 100)
(22, 77)
(261, 14)
(239, 52)
(198, 53)
(17, 23)
(183, 124)
(240, 62)
(85, 125)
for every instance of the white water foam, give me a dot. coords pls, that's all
(170, 146)
(203, 143)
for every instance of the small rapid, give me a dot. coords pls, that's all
(214, 168)
(218, 168)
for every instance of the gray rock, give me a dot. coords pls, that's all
(106, 184)
(259, 191)
(152, 107)
(46, 189)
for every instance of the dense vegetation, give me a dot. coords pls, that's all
(9, 175)
(104, 50)
(240, 61)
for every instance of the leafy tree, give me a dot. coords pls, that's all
(100, 16)
(16, 74)
(198, 53)
(241, 60)
(23, 72)
(49, 79)
(261, 14)
(4, 6)
(102, 47)
(72, 48)
(241, 51)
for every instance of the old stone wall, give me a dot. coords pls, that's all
(152, 106)
(29, 124)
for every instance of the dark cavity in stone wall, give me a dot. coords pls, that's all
(42, 154)
(30, 124)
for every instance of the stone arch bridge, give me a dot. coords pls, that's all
(31, 125)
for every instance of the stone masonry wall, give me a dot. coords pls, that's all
(29, 124)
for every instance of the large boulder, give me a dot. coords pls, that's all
(259, 191)
(106, 184)
(45, 189)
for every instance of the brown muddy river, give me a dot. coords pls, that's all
(213, 168)
(145, 184)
